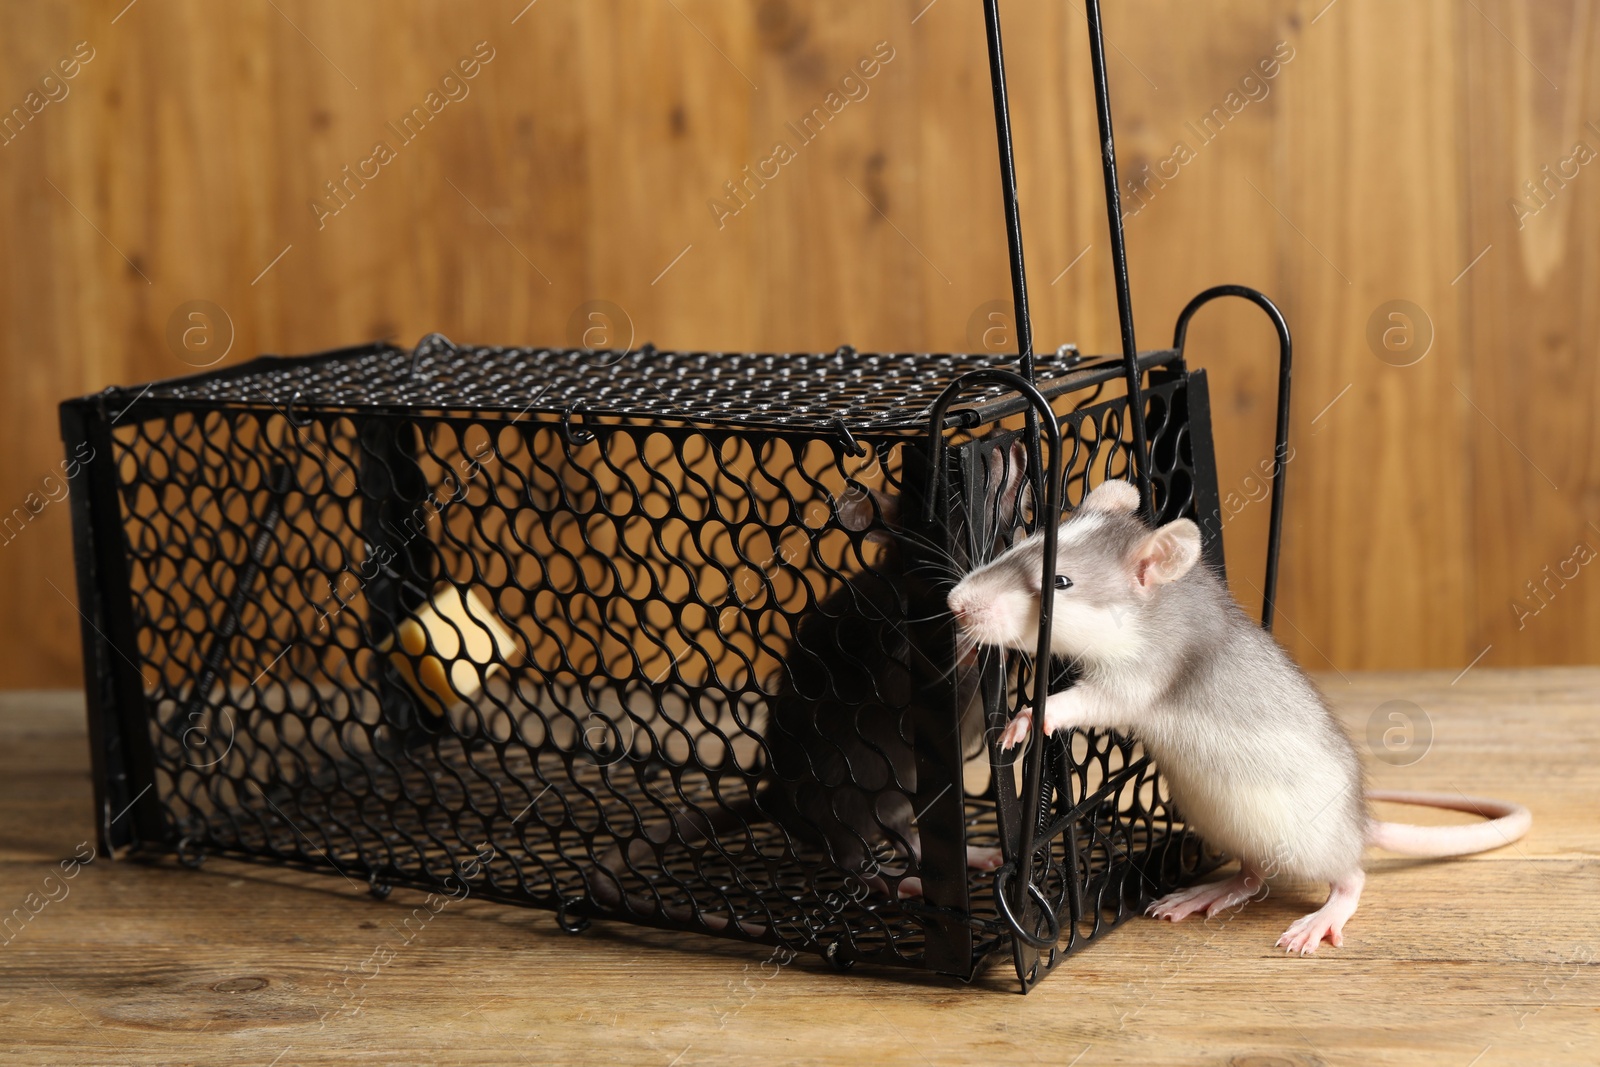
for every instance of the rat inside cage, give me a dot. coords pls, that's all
(649, 636)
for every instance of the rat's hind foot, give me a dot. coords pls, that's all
(1209, 897)
(978, 859)
(1327, 922)
(983, 859)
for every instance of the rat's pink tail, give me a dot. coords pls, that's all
(1507, 822)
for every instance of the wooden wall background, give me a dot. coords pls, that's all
(1381, 164)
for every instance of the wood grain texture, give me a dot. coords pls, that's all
(1492, 957)
(1376, 165)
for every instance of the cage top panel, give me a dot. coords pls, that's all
(792, 390)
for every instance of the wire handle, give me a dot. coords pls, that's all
(1119, 258)
(1008, 193)
(1045, 520)
(1119, 253)
(1008, 187)
(1280, 454)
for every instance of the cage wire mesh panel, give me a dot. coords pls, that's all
(660, 641)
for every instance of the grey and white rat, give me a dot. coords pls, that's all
(1254, 758)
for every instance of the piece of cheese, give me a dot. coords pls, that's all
(465, 635)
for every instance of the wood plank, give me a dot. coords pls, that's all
(1491, 956)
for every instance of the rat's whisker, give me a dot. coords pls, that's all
(938, 550)
(929, 618)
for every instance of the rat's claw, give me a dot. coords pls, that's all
(1208, 897)
(1308, 932)
(1017, 731)
(1305, 935)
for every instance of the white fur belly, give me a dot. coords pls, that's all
(1298, 830)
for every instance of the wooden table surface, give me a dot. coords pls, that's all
(1480, 962)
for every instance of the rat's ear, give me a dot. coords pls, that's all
(1166, 554)
(859, 508)
(1008, 469)
(1115, 497)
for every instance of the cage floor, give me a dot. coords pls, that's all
(651, 850)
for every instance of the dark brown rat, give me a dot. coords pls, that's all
(842, 760)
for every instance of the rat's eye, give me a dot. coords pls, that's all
(1063, 583)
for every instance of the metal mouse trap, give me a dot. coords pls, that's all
(649, 636)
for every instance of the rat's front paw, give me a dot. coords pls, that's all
(1017, 730)
(1063, 711)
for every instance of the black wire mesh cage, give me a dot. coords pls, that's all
(663, 645)
(649, 636)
